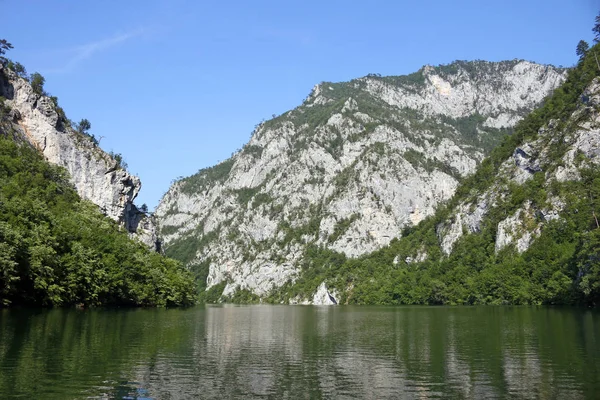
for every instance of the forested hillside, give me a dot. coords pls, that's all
(58, 250)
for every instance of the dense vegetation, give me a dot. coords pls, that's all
(58, 250)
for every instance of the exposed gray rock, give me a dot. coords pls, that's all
(463, 93)
(467, 218)
(348, 169)
(515, 229)
(323, 297)
(95, 174)
(524, 160)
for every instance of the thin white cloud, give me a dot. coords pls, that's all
(78, 54)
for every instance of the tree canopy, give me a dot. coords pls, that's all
(4, 47)
(596, 29)
(582, 48)
(58, 250)
(37, 83)
(84, 126)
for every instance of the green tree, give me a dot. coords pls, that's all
(37, 83)
(582, 49)
(118, 157)
(596, 29)
(4, 47)
(58, 250)
(20, 70)
(589, 267)
(84, 126)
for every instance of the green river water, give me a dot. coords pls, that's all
(301, 352)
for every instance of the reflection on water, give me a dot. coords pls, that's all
(301, 352)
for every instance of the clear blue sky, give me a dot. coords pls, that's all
(178, 85)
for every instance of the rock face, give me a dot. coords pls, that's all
(347, 170)
(323, 297)
(96, 175)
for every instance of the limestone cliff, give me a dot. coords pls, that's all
(96, 175)
(347, 170)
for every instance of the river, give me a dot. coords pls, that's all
(301, 352)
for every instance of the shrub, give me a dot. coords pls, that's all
(37, 83)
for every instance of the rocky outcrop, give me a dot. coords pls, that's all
(348, 170)
(323, 297)
(517, 229)
(461, 89)
(96, 175)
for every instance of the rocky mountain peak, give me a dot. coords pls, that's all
(346, 171)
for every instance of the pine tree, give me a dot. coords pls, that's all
(582, 48)
(4, 47)
(596, 29)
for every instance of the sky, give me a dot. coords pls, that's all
(178, 85)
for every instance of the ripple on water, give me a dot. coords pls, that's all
(284, 352)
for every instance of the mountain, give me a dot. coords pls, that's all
(97, 176)
(523, 229)
(344, 173)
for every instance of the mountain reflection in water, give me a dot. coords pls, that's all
(301, 352)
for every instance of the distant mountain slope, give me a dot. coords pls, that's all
(346, 171)
(524, 229)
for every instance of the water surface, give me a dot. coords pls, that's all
(301, 352)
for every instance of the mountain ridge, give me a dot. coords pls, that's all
(522, 230)
(347, 169)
